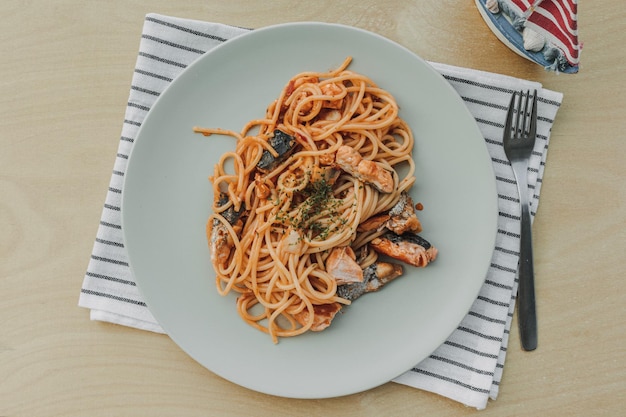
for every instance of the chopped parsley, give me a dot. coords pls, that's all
(316, 216)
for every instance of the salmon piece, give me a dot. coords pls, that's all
(370, 172)
(373, 223)
(220, 244)
(323, 315)
(332, 90)
(342, 266)
(402, 217)
(220, 241)
(375, 276)
(408, 247)
(327, 158)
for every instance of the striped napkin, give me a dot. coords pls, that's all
(468, 366)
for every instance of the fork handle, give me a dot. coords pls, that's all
(527, 315)
(526, 310)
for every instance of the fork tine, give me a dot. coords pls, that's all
(525, 123)
(520, 127)
(509, 117)
(532, 131)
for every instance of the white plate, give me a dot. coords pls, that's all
(167, 199)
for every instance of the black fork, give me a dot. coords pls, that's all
(520, 130)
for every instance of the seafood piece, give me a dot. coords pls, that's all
(306, 106)
(327, 158)
(374, 223)
(230, 213)
(408, 247)
(362, 254)
(327, 174)
(332, 90)
(367, 171)
(220, 241)
(324, 314)
(341, 265)
(402, 217)
(292, 242)
(374, 277)
(330, 115)
(262, 189)
(283, 144)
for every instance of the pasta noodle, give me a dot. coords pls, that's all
(287, 201)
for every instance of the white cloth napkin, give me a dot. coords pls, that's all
(468, 366)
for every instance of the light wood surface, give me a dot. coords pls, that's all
(65, 73)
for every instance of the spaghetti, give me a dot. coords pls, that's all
(303, 181)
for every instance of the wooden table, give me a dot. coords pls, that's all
(64, 80)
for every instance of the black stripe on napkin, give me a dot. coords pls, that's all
(172, 44)
(110, 278)
(113, 297)
(451, 380)
(461, 365)
(153, 75)
(185, 29)
(163, 60)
